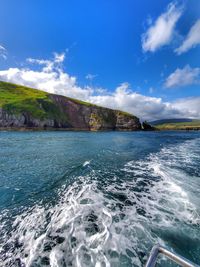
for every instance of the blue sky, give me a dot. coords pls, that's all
(119, 54)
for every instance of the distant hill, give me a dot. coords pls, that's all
(181, 124)
(157, 122)
(26, 108)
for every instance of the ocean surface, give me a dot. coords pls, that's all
(98, 199)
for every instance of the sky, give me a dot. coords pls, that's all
(139, 56)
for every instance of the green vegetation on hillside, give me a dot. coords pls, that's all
(193, 125)
(23, 106)
(124, 113)
(84, 103)
(17, 99)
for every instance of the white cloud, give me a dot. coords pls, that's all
(183, 77)
(59, 58)
(189, 106)
(2, 47)
(49, 65)
(3, 52)
(161, 32)
(52, 78)
(145, 107)
(192, 39)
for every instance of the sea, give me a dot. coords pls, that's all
(102, 199)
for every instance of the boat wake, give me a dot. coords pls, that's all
(109, 222)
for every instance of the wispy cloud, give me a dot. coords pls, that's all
(52, 78)
(151, 90)
(191, 40)
(2, 47)
(90, 76)
(183, 77)
(49, 65)
(160, 33)
(3, 52)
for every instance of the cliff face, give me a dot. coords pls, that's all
(91, 117)
(37, 109)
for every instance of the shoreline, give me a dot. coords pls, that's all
(34, 129)
(38, 129)
(180, 129)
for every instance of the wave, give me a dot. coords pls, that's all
(108, 222)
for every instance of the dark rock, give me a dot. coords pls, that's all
(147, 127)
(75, 116)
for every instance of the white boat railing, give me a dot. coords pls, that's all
(157, 249)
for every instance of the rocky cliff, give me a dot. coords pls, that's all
(23, 107)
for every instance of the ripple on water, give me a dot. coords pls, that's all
(113, 225)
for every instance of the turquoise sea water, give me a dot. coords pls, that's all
(98, 199)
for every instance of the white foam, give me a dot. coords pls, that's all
(93, 227)
(173, 182)
(86, 163)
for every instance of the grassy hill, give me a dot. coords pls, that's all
(21, 106)
(17, 98)
(191, 125)
(162, 121)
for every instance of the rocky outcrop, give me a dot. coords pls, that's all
(8, 119)
(126, 122)
(147, 127)
(90, 117)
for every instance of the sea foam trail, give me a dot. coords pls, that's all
(111, 225)
(76, 232)
(169, 182)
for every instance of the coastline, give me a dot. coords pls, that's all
(41, 129)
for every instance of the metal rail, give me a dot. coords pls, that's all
(151, 262)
